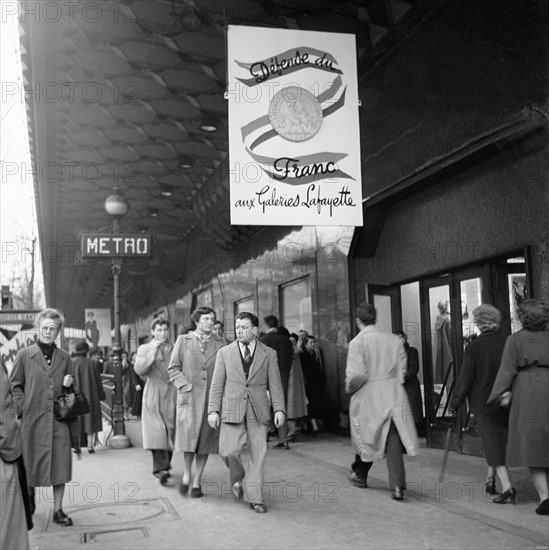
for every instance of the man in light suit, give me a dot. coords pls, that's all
(244, 371)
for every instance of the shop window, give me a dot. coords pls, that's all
(518, 291)
(471, 297)
(296, 305)
(244, 304)
(202, 298)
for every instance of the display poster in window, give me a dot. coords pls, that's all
(294, 141)
(97, 327)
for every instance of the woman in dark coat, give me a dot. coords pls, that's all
(411, 383)
(314, 380)
(481, 361)
(138, 384)
(89, 383)
(40, 371)
(128, 383)
(524, 370)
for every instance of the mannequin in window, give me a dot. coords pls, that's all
(443, 356)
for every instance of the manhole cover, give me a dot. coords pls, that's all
(113, 514)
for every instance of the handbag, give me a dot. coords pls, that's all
(70, 404)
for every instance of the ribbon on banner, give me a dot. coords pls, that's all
(311, 165)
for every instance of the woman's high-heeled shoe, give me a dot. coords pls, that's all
(509, 495)
(490, 486)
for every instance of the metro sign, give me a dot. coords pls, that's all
(102, 245)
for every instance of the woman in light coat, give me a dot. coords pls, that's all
(159, 397)
(39, 374)
(191, 369)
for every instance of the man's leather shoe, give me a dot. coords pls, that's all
(397, 493)
(543, 508)
(356, 480)
(162, 476)
(258, 507)
(61, 518)
(238, 492)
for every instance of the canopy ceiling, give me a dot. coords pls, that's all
(117, 97)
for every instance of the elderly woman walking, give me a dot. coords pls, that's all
(191, 369)
(40, 371)
(479, 369)
(523, 380)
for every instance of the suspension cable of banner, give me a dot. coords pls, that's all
(226, 94)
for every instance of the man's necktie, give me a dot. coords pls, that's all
(247, 359)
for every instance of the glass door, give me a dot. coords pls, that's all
(438, 355)
(470, 289)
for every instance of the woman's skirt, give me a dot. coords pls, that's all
(297, 399)
(493, 431)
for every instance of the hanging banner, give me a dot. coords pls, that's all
(294, 142)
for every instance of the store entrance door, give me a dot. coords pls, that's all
(438, 356)
(471, 287)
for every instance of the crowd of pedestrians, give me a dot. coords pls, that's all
(204, 396)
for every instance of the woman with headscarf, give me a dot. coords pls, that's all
(40, 371)
(523, 381)
(480, 366)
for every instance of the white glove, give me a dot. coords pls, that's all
(279, 418)
(213, 420)
(68, 380)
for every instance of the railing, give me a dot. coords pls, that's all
(444, 393)
(107, 406)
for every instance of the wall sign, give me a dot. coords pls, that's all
(294, 143)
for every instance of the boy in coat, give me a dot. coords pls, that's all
(159, 398)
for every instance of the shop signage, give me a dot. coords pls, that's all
(101, 245)
(8, 351)
(18, 316)
(294, 141)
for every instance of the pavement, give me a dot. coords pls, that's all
(116, 503)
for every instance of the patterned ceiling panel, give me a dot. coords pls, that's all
(130, 134)
(93, 115)
(168, 131)
(140, 87)
(175, 108)
(97, 63)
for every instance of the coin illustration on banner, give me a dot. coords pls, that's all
(295, 114)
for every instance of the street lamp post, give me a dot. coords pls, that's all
(117, 206)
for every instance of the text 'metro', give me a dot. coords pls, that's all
(101, 245)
